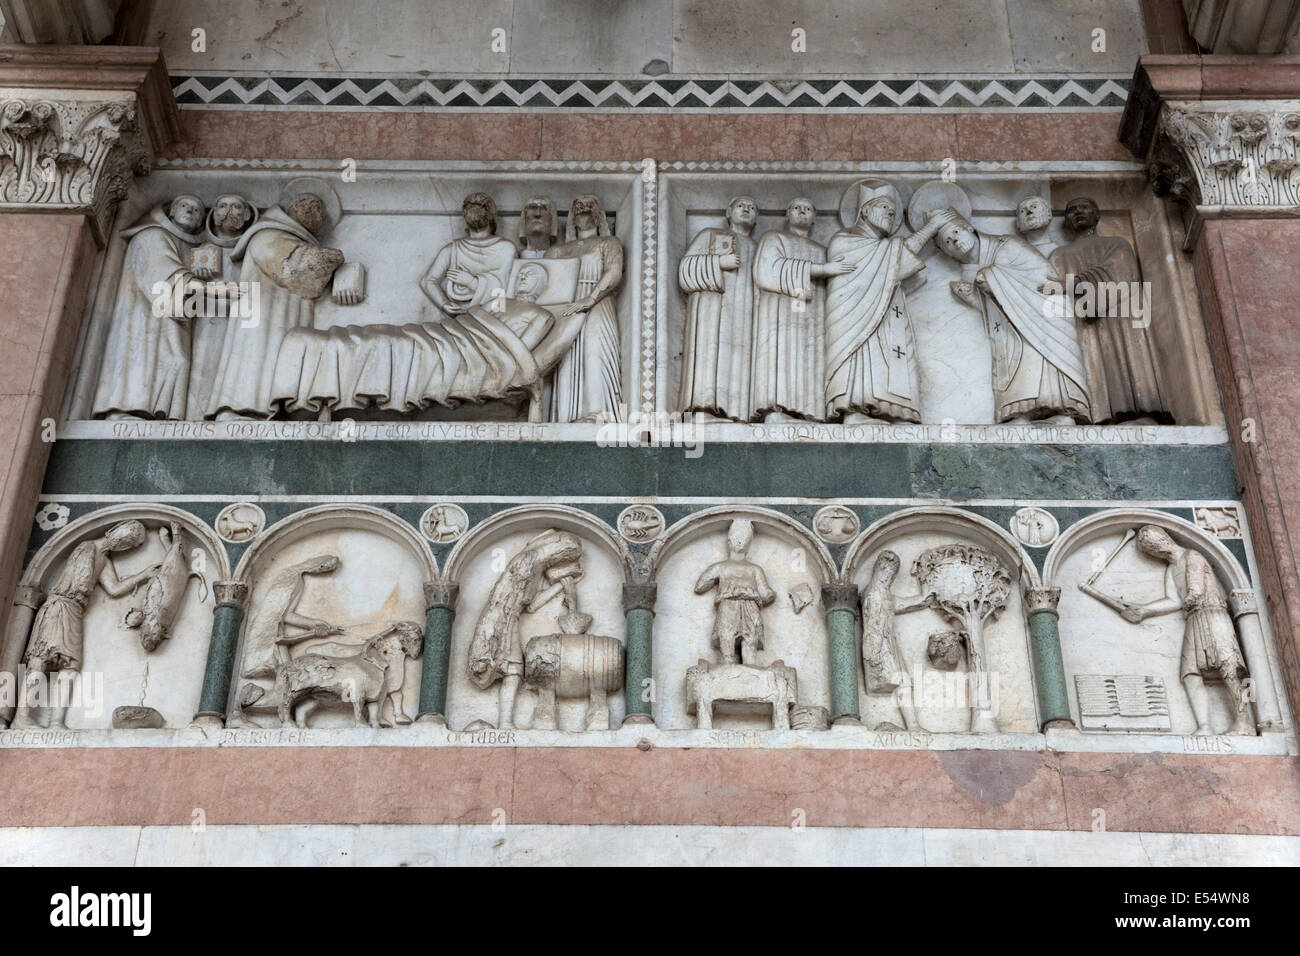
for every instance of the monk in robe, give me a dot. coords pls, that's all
(475, 269)
(229, 216)
(289, 269)
(871, 367)
(1038, 366)
(1125, 380)
(789, 319)
(717, 276)
(146, 367)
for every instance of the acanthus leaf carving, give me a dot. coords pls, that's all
(1230, 154)
(71, 154)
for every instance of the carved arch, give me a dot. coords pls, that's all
(1089, 529)
(712, 520)
(58, 547)
(324, 517)
(942, 520)
(536, 517)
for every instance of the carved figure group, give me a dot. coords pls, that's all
(296, 662)
(786, 329)
(964, 583)
(56, 646)
(215, 316)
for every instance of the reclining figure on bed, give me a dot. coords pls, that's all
(501, 349)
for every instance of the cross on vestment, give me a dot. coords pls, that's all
(899, 352)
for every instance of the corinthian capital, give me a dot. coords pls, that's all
(60, 150)
(1228, 156)
(77, 122)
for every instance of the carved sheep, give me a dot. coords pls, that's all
(775, 684)
(368, 678)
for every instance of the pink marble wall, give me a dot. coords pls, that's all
(1247, 272)
(792, 137)
(45, 266)
(1180, 793)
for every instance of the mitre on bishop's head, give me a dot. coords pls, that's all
(868, 192)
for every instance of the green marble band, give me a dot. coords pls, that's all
(752, 470)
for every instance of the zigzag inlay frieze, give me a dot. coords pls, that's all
(612, 94)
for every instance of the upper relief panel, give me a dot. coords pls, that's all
(231, 295)
(1007, 299)
(1022, 303)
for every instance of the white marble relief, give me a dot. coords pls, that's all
(529, 328)
(119, 615)
(892, 327)
(943, 617)
(444, 522)
(885, 340)
(240, 522)
(537, 642)
(1128, 702)
(332, 630)
(1221, 522)
(836, 524)
(1161, 629)
(640, 523)
(735, 622)
(1154, 595)
(1036, 527)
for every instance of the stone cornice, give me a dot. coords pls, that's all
(76, 123)
(136, 69)
(1218, 134)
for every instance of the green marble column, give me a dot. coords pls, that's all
(226, 619)
(440, 614)
(639, 606)
(1045, 642)
(841, 602)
